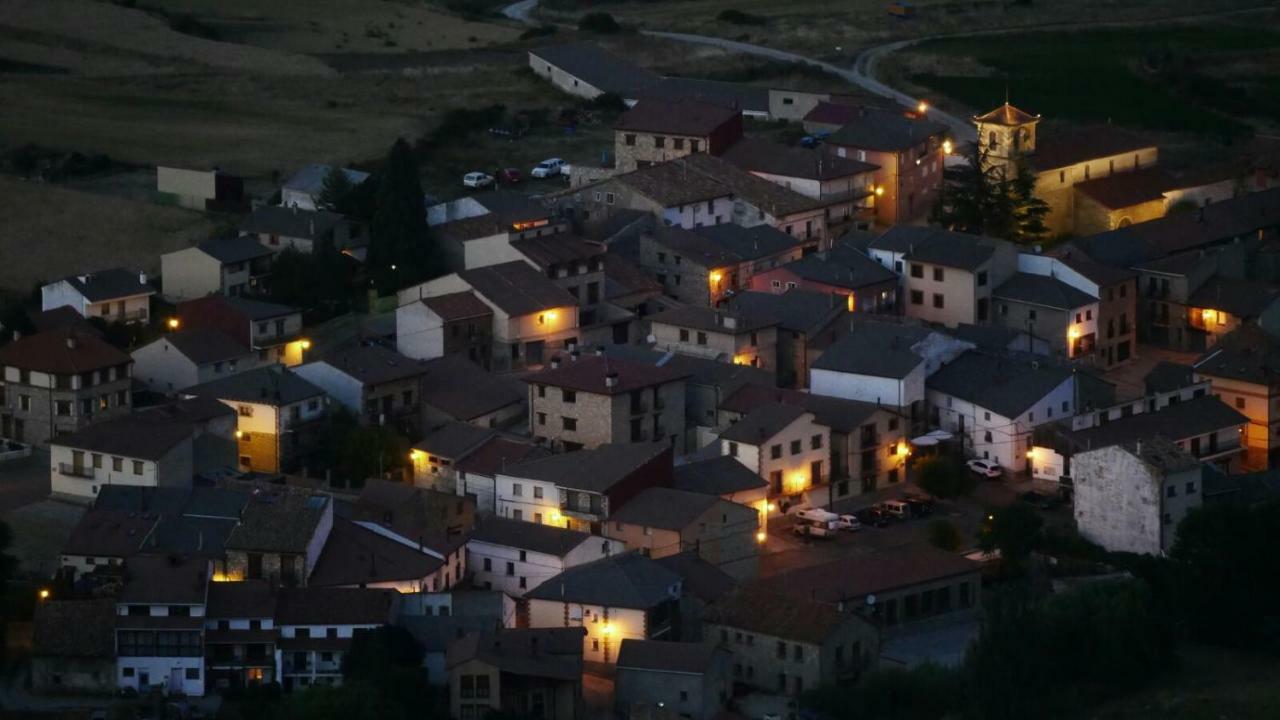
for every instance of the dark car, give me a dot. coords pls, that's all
(510, 176)
(1044, 501)
(921, 505)
(873, 517)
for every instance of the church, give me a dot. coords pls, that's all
(1096, 178)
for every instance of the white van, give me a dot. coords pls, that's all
(897, 509)
(817, 515)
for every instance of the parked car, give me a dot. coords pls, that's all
(921, 505)
(510, 176)
(477, 180)
(1044, 501)
(850, 523)
(817, 515)
(548, 168)
(809, 528)
(986, 468)
(896, 509)
(873, 516)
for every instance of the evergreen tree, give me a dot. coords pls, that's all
(400, 251)
(978, 198)
(335, 191)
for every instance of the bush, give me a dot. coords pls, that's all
(599, 22)
(737, 17)
(943, 534)
(540, 31)
(944, 477)
(926, 692)
(611, 103)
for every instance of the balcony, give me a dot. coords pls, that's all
(79, 471)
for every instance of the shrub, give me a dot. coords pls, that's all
(737, 17)
(607, 103)
(944, 535)
(599, 22)
(944, 477)
(540, 31)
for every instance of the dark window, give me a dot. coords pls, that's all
(982, 278)
(630, 138)
(917, 297)
(937, 274)
(917, 270)
(775, 452)
(937, 300)
(795, 447)
(569, 423)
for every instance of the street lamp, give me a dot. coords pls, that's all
(922, 107)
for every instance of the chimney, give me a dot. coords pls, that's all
(71, 342)
(142, 278)
(611, 380)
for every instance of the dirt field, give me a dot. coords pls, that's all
(48, 232)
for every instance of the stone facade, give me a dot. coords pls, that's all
(1127, 504)
(789, 667)
(577, 420)
(287, 569)
(35, 407)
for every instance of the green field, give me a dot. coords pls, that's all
(1177, 79)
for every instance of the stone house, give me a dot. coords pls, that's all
(845, 270)
(1241, 372)
(316, 628)
(279, 228)
(115, 295)
(656, 130)
(59, 381)
(535, 671)
(672, 192)
(705, 265)
(376, 384)
(585, 402)
(447, 324)
(1117, 293)
(729, 336)
(279, 538)
(229, 266)
(159, 628)
(661, 521)
(808, 322)
(727, 479)
(73, 646)
(908, 151)
(1047, 307)
(692, 680)
(271, 330)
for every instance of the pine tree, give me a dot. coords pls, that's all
(977, 197)
(335, 191)
(400, 249)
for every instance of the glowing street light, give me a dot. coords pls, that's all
(305, 344)
(922, 107)
(947, 147)
(44, 593)
(879, 191)
(174, 323)
(761, 536)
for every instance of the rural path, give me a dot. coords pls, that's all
(520, 11)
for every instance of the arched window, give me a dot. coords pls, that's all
(993, 140)
(1125, 222)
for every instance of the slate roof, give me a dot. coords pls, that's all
(230, 250)
(721, 475)
(699, 578)
(1044, 291)
(256, 309)
(767, 157)
(1055, 151)
(798, 310)
(74, 629)
(1007, 386)
(141, 435)
(758, 608)
(875, 348)
(627, 580)
(109, 284)
(268, 385)
(725, 244)
(672, 184)
(854, 577)
(686, 658)
(1167, 376)
(1186, 419)
(675, 117)
(936, 246)
(727, 377)
(699, 317)
(355, 555)
(497, 453)
(762, 423)
(463, 390)
(291, 222)
(551, 250)
(161, 579)
(774, 199)
(203, 346)
(1247, 353)
(885, 130)
(841, 266)
(1162, 453)
(588, 374)
(1125, 189)
(1099, 273)
(554, 653)
(1242, 298)
(991, 337)
(839, 414)
(721, 92)
(454, 440)
(335, 606)
(244, 599)
(457, 306)
(596, 470)
(1006, 115)
(103, 532)
(664, 508)
(310, 179)
(598, 67)
(534, 537)
(517, 288)
(49, 352)
(372, 365)
(279, 521)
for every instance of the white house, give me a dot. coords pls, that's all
(304, 188)
(189, 357)
(231, 266)
(515, 557)
(115, 295)
(1130, 498)
(145, 448)
(316, 626)
(239, 634)
(783, 445)
(160, 625)
(992, 403)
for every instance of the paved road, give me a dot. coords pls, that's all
(520, 11)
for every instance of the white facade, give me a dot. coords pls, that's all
(528, 500)
(711, 212)
(180, 671)
(993, 436)
(516, 571)
(895, 392)
(1055, 268)
(126, 308)
(793, 460)
(164, 369)
(76, 473)
(419, 332)
(338, 385)
(1126, 504)
(606, 627)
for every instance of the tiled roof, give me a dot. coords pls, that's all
(256, 309)
(708, 372)
(269, 385)
(279, 521)
(672, 184)
(771, 158)
(688, 658)
(841, 266)
(75, 629)
(1242, 298)
(67, 351)
(839, 414)
(454, 440)
(720, 475)
(1005, 385)
(244, 599)
(229, 250)
(1247, 353)
(730, 245)
(354, 555)
(160, 579)
(110, 284)
(600, 68)
(535, 537)
(1042, 290)
(664, 508)
(517, 288)
(880, 349)
(372, 365)
(457, 306)
(1076, 146)
(497, 453)
(464, 391)
(699, 317)
(937, 246)
(1006, 115)
(627, 580)
(796, 310)
(63, 316)
(699, 578)
(141, 435)
(336, 606)
(203, 346)
(854, 577)
(554, 653)
(591, 373)
(759, 608)
(596, 470)
(291, 222)
(885, 130)
(1125, 189)
(105, 532)
(772, 198)
(1179, 421)
(676, 117)
(1099, 273)
(1167, 376)
(762, 423)
(549, 250)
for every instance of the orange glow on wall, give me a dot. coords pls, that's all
(529, 224)
(853, 302)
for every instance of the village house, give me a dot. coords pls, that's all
(1240, 370)
(73, 646)
(316, 627)
(278, 415)
(577, 266)
(581, 490)
(279, 538)
(104, 536)
(661, 521)
(692, 680)
(621, 597)
(787, 645)
(947, 277)
(867, 286)
(727, 479)
(431, 520)
(704, 265)
(537, 672)
(757, 201)
(898, 589)
(366, 554)
(671, 192)
(454, 388)
(585, 402)
(271, 330)
(59, 381)
(379, 386)
(141, 449)
(435, 455)
(304, 188)
(203, 190)
(1047, 307)
(240, 635)
(655, 131)
(293, 228)
(515, 557)
(532, 315)
(908, 151)
(478, 231)
(228, 266)
(808, 322)
(729, 336)
(181, 359)
(1130, 497)
(115, 295)
(455, 323)
(160, 615)
(784, 445)
(993, 402)
(1117, 293)
(477, 473)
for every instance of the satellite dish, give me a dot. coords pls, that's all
(871, 599)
